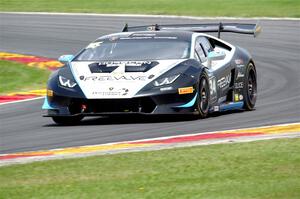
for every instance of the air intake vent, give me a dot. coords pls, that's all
(139, 66)
(144, 67)
(101, 68)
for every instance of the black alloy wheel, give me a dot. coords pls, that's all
(203, 96)
(250, 90)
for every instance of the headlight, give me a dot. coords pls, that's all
(166, 80)
(66, 82)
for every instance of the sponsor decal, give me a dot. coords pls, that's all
(113, 78)
(94, 45)
(131, 63)
(240, 74)
(216, 108)
(111, 92)
(236, 97)
(143, 35)
(185, 90)
(239, 61)
(224, 81)
(238, 85)
(130, 38)
(148, 35)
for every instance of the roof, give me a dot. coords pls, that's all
(179, 35)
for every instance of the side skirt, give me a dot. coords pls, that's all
(227, 106)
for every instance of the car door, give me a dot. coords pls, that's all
(222, 73)
(201, 54)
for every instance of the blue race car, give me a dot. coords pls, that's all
(155, 69)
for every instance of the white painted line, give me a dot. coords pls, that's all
(150, 148)
(170, 137)
(187, 135)
(154, 16)
(18, 101)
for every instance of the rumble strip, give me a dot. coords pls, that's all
(228, 136)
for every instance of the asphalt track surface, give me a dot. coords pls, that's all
(22, 128)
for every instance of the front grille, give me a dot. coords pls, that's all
(135, 105)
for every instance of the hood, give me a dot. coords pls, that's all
(119, 79)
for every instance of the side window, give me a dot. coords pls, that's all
(206, 45)
(200, 52)
(202, 48)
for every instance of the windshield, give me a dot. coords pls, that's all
(135, 49)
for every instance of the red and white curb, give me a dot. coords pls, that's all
(30, 61)
(217, 137)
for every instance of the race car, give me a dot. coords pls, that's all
(155, 70)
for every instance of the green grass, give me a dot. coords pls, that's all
(18, 77)
(262, 169)
(242, 8)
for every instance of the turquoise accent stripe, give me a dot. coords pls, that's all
(46, 105)
(231, 106)
(189, 104)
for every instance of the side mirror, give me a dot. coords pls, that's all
(66, 58)
(214, 56)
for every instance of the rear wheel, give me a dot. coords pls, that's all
(203, 97)
(71, 120)
(250, 90)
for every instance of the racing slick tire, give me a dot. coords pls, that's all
(203, 96)
(69, 120)
(250, 90)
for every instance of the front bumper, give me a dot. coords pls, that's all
(173, 103)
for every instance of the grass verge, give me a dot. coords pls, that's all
(241, 8)
(262, 169)
(19, 77)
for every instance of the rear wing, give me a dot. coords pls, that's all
(241, 28)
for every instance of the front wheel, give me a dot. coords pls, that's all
(71, 120)
(250, 90)
(203, 97)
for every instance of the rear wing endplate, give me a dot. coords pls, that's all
(241, 28)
